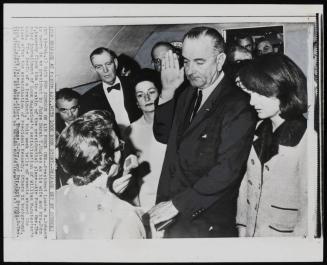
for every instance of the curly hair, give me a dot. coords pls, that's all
(86, 145)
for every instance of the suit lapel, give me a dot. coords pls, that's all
(212, 102)
(182, 127)
(101, 96)
(98, 91)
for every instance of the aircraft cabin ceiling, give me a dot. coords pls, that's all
(74, 45)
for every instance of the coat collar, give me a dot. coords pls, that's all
(289, 133)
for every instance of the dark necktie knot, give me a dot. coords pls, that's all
(117, 87)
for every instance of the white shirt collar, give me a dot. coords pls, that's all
(206, 92)
(106, 85)
(214, 84)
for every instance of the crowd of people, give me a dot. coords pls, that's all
(209, 143)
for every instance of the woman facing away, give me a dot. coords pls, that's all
(90, 152)
(149, 150)
(273, 197)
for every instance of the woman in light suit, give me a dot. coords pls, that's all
(273, 197)
(91, 153)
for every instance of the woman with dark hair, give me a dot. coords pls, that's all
(273, 197)
(90, 152)
(149, 150)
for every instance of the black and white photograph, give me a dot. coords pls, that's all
(155, 135)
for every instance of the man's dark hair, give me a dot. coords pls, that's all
(236, 48)
(195, 33)
(101, 50)
(276, 75)
(264, 39)
(244, 36)
(67, 94)
(164, 44)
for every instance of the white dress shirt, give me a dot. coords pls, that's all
(116, 101)
(207, 91)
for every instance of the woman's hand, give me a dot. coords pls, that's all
(120, 185)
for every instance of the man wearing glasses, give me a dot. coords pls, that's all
(158, 53)
(67, 108)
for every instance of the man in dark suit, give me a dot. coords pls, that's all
(158, 52)
(209, 140)
(114, 94)
(67, 108)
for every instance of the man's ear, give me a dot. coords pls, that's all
(116, 63)
(92, 68)
(220, 60)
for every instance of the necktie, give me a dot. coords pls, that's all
(117, 87)
(197, 104)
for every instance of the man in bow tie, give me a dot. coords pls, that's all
(114, 94)
(209, 139)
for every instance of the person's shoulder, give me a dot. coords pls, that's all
(137, 122)
(126, 82)
(236, 99)
(60, 123)
(63, 193)
(233, 92)
(93, 90)
(122, 209)
(309, 135)
(236, 102)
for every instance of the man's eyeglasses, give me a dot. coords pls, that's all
(156, 61)
(120, 147)
(72, 109)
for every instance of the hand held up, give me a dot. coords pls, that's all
(171, 75)
(120, 185)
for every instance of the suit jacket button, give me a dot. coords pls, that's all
(266, 167)
(204, 136)
(252, 161)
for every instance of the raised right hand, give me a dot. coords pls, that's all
(171, 75)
